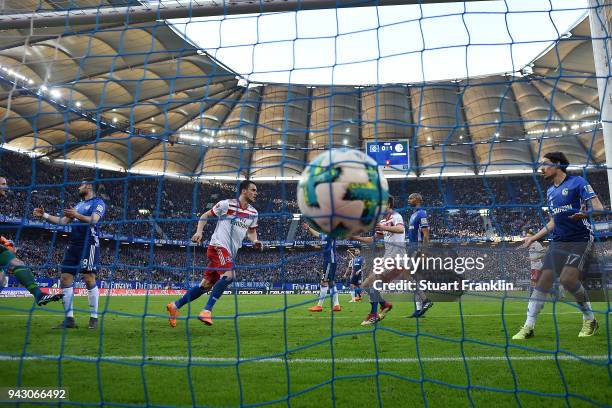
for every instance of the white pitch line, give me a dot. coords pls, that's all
(278, 315)
(275, 360)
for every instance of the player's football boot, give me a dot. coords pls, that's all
(426, 306)
(525, 333)
(93, 323)
(352, 301)
(358, 299)
(205, 317)
(173, 313)
(316, 308)
(589, 328)
(370, 320)
(44, 299)
(68, 323)
(384, 309)
(337, 308)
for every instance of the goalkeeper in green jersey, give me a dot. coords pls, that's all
(10, 262)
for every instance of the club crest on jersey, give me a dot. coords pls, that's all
(565, 191)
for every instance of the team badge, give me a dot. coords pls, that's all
(565, 191)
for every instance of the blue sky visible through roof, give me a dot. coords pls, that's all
(391, 44)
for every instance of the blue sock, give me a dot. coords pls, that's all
(217, 292)
(191, 295)
(373, 309)
(358, 292)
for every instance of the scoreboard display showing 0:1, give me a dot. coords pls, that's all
(393, 155)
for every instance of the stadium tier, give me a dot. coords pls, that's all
(305, 203)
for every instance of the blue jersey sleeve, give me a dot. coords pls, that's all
(423, 222)
(586, 191)
(99, 209)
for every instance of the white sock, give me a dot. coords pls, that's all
(335, 297)
(322, 295)
(93, 295)
(419, 304)
(536, 303)
(67, 300)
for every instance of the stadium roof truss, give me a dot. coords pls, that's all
(141, 97)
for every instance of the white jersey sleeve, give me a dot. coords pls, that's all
(255, 218)
(397, 219)
(221, 208)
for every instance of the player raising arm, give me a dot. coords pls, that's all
(571, 244)
(235, 220)
(10, 262)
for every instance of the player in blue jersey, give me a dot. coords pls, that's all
(355, 273)
(418, 234)
(570, 200)
(328, 277)
(83, 252)
(10, 263)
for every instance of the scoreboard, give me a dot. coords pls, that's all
(393, 155)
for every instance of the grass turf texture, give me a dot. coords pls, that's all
(390, 365)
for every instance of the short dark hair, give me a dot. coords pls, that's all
(391, 201)
(244, 185)
(558, 158)
(89, 180)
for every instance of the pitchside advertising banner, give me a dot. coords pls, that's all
(446, 271)
(134, 288)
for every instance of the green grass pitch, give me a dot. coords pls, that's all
(300, 359)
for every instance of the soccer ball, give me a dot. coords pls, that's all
(342, 192)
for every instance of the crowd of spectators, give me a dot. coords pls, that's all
(146, 206)
(176, 266)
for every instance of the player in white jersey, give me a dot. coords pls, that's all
(236, 219)
(536, 255)
(391, 229)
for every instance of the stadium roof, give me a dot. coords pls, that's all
(143, 98)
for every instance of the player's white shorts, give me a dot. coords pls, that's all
(394, 251)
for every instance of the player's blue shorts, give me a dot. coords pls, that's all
(356, 278)
(329, 271)
(79, 259)
(561, 254)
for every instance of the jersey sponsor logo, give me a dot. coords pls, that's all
(240, 222)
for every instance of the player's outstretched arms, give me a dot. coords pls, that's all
(40, 213)
(73, 214)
